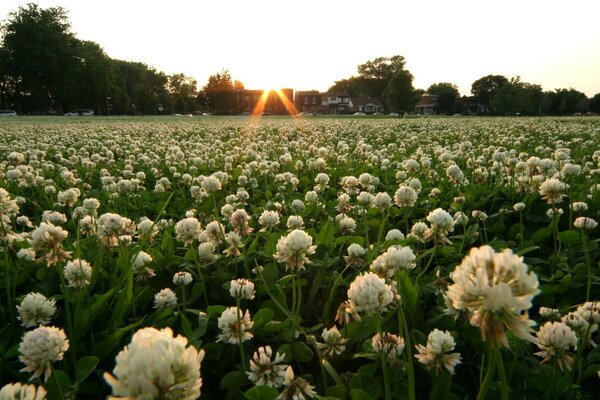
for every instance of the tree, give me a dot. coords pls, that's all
(39, 57)
(219, 93)
(376, 74)
(354, 86)
(447, 94)
(399, 94)
(183, 91)
(516, 97)
(484, 89)
(595, 103)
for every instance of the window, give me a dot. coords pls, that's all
(306, 100)
(314, 100)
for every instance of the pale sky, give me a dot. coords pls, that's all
(312, 43)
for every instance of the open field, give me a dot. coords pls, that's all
(351, 258)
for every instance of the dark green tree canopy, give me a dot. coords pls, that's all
(447, 95)
(399, 95)
(486, 87)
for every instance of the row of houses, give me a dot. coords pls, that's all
(285, 101)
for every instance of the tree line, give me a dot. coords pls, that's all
(45, 69)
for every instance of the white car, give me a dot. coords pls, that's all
(82, 112)
(8, 113)
(359, 113)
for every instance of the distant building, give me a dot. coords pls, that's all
(427, 104)
(274, 102)
(308, 101)
(367, 106)
(335, 103)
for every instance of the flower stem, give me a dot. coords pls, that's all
(408, 349)
(383, 358)
(502, 373)
(488, 375)
(240, 333)
(200, 276)
(589, 267)
(56, 383)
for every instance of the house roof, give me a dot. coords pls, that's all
(336, 94)
(361, 101)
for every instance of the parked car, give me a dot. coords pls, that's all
(80, 112)
(8, 113)
(359, 113)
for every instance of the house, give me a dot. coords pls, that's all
(335, 103)
(275, 102)
(365, 105)
(427, 104)
(308, 101)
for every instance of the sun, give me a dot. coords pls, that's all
(274, 96)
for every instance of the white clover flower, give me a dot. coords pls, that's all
(164, 299)
(365, 199)
(19, 391)
(268, 219)
(405, 196)
(211, 184)
(182, 278)
(40, 347)
(388, 344)
(26, 254)
(496, 291)
(7, 205)
(294, 248)
(147, 229)
(156, 365)
(297, 204)
(47, 238)
(554, 212)
(265, 371)
(35, 309)
(295, 388)
(394, 235)
(188, 230)
(419, 231)
(206, 252)
(382, 201)
(91, 205)
(215, 232)
(554, 340)
(111, 228)
(54, 217)
(78, 273)
(552, 190)
(68, 197)
(549, 313)
(518, 207)
(436, 354)
(23, 220)
(347, 224)
(311, 197)
(334, 344)
(239, 220)
(369, 293)
(442, 223)
(228, 324)
(585, 223)
(295, 222)
(395, 258)
(579, 206)
(454, 173)
(242, 289)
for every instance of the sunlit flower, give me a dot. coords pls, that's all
(182, 278)
(334, 344)
(35, 309)
(496, 291)
(394, 235)
(436, 354)
(228, 324)
(554, 340)
(40, 347)
(47, 238)
(294, 248)
(369, 293)
(442, 223)
(295, 388)
(268, 219)
(19, 391)
(242, 289)
(165, 299)
(188, 230)
(265, 371)
(156, 365)
(405, 196)
(388, 344)
(78, 273)
(552, 190)
(585, 223)
(239, 220)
